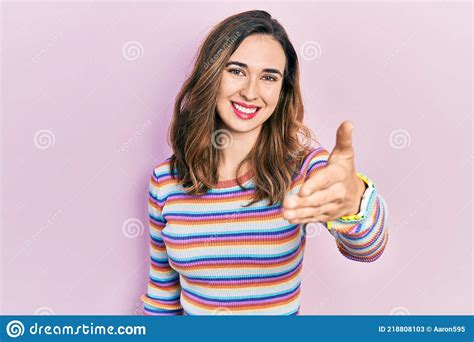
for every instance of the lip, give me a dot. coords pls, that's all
(244, 116)
(245, 105)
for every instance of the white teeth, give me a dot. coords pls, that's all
(244, 110)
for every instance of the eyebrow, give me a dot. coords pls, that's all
(245, 66)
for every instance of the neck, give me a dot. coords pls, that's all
(231, 156)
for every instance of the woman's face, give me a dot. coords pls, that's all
(251, 83)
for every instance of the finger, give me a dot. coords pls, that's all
(316, 199)
(320, 218)
(297, 215)
(322, 179)
(344, 137)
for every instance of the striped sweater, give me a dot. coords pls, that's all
(209, 255)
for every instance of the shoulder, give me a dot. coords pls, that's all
(318, 156)
(163, 169)
(161, 180)
(315, 159)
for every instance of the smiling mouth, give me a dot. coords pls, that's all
(243, 112)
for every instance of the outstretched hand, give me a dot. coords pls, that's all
(331, 192)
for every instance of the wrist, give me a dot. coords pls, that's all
(361, 187)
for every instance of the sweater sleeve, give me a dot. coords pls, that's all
(361, 237)
(163, 291)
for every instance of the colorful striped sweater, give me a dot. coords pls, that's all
(209, 255)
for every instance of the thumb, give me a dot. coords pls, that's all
(343, 148)
(344, 137)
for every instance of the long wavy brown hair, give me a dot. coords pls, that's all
(284, 140)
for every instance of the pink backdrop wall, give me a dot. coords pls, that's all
(87, 95)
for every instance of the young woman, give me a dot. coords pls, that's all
(228, 210)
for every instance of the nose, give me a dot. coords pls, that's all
(250, 90)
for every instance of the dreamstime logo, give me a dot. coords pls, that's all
(44, 139)
(310, 230)
(221, 139)
(15, 329)
(399, 139)
(139, 308)
(222, 311)
(310, 50)
(132, 50)
(44, 311)
(132, 228)
(399, 311)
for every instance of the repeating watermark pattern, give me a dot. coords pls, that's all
(132, 228)
(28, 242)
(132, 50)
(138, 132)
(214, 236)
(396, 52)
(222, 138)
(399, 311)
(15, 328)
(44, 139)
(399, 139)
(310, 50)
(222, 311)
(48, 46)
(139, 309)
(406, 220)
(44, 311)
(227, 43)
(317, 309)
(310, 229)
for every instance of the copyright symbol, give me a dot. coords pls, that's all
(428, 329)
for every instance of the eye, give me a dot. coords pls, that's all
(235, 71)
(270, 78)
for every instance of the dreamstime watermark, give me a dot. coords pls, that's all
(209, 239)
(139, 309)
(227, 43)
(399, 311)
(222, 138)
(44, 139)
(310, 50)
(28, 242)
(399, 139)
(396, 52)
(44, 50)
(132, 228)
(406, 220)
(132, 50)
(310, 229)
(317, 309)
(35, 236)
(16, 328)
(138, 132)
(222, 311)
(44, 311)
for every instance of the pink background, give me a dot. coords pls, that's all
(84, 118)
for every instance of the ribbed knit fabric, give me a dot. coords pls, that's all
(209, 255)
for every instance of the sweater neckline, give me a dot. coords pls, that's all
(228, 183)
